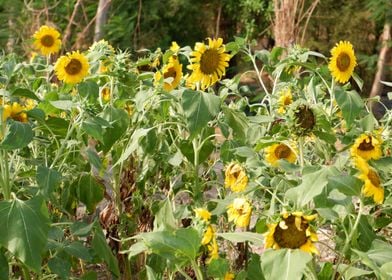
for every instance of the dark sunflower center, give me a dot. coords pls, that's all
(305, 117)
(373, 177)
(282, 151)
(47, 40)
(287, 101)
(209, 61)
(366, 146)
(73, 67)
(343, 61)
(291, 237)
(170, 73)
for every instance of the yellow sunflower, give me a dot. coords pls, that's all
(285, 99)
(72, 68)
(235, 177)
(239, 212)
(213, 251)
(105, 94)
(367, 146)
(208, 236)
(15, 112)
(174, 47)
(47, 40)
(203, 214)
(171, 74)
(372, 183)
(292, 232)
(208, 63)
(229, 276)
(342, 62)
(279, 151)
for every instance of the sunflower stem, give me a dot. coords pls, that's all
(196, 154)
(196, 269)
(349, 238)
(301, 151)
(5, 175)
(332, 96)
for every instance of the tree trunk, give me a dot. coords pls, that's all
(101, 18)
(380, 74)
(285, 22)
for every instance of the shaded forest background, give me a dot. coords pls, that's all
(149, 24)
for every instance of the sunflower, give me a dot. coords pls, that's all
(292, 232)
(208, 63)
(285, 99)
(15, 112)
(72, 68)
(367, 146)
(372, 183)
(208, 236)
(171, 73)
(279, 151)
(203, 214)
(229, 276)
(235, 177)
(304, 120)
(47, 40)
(175, 48)
(105, 94)
(342, 62)
(239, 212)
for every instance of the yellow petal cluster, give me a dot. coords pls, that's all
(342, 61)
(72, 68)
(279, 151)
(235, 177)
(239, 212)
(47, 40)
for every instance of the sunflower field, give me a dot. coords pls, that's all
(164, 166)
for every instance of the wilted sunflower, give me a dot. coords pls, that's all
(304, 120)
(47, 40)
(72, 68)
(171, 73)
(208, 235)
(372, 183)
(367, 146)
(285, 99)
(203, 214)
(342, 62)
(235, 177)
(292, 232)
(239, 212)
(208, 63)
(279, 151)
(15, 112)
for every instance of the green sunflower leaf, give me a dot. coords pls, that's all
(350, 103)
(18, 135)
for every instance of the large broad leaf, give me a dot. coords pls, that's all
(350, 103)
(311, 186)
(18, 135)
(89, 191)
(199, 108)
(102, 249)
(24, 229)
(164, 219)
(89, 90)
(48, 180)
(284, 264)
(346, 184)
(118, 120)
(352, 272)
(218, 268)
(255, 238)
(4, 267)
(24, 92)
(237, 121)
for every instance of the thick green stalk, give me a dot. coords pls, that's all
(5, 175)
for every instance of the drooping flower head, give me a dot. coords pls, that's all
(279, 151)
(292, 232)
(304, 120)
(285, 99)
(171, 74)
(72, 68)
(235, 177)
(239, 212)
(15, 111)
(47, 40)
(208, 63)
(342, 62)
(372, 186)
(367, 146)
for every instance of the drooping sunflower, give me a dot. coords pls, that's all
(14, 111)
(372, 183)
(203, 214)
(239, 212)
(105, 94)
(72, 68)
(171, 73)
(47, 40)
(208, 63)
(342, 62)
(279, 151)
(304, 120)
(293, 232)
(235, 177)
(367, 146)
(285, 99)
